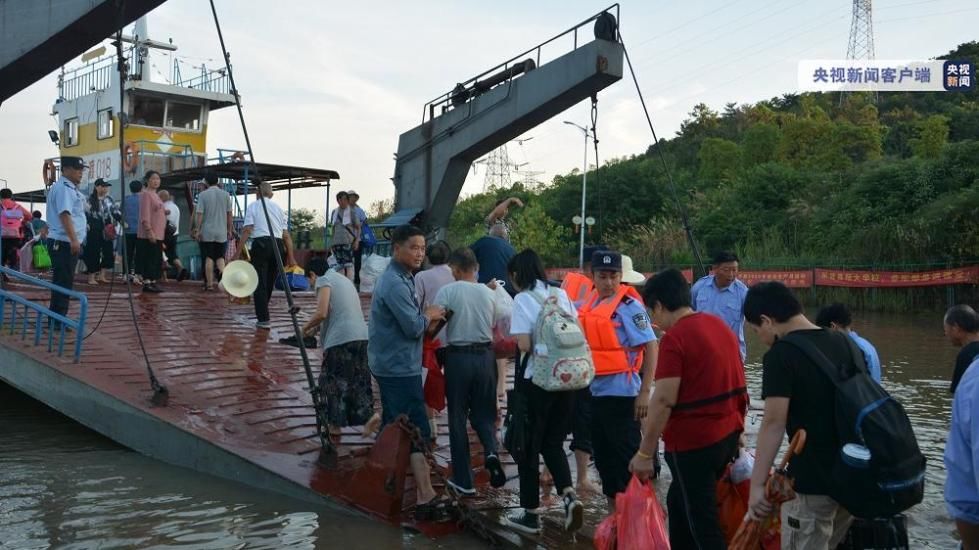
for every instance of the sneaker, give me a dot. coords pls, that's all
(495, 469)
(264, 325)
(152, 288)
(524, 521)
(573, 511)
(459, 489)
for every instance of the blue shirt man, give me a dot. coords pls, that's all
(493, 252)
(722, 294)
(66, 229)
(962, 451)
(837, 317)
(394, 351)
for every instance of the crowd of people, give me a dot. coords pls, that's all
(685, 386)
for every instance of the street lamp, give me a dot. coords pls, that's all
(584, 187)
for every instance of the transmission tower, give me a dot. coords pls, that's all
(498, 168)
(861, 44)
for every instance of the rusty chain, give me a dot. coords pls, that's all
(467, 517)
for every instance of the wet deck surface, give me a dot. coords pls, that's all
(239, 388)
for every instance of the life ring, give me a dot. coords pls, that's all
(130, 156)
(238, 156)
(49, 173)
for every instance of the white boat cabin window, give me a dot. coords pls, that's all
(71, 132)
(183, 116)
(147, 111)
(105, 123)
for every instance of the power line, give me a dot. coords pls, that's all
(686, 23)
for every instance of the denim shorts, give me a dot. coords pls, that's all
(404, 395)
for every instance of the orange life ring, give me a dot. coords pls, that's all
(238, 156)
(49, 173)
(130, 155)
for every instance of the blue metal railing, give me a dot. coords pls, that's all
(18, 314)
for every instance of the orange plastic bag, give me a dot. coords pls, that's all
(605, 534)
(732, 503)
(434, 388)
(639, 519)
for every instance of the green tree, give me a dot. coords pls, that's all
(303, 219)
(759, 144)
(932, 136)
(719, 160)
(533, 228)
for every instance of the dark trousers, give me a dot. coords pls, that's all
(550, 422)
(263, 258)
(131, 253)
(616, 436)
(150, 256)
(470, 390)
(10, 246)
(691, 501)
(358, 260)
(63, 273)
(98, 249)
(581, 425)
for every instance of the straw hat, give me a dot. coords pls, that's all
(239, 279)
(629, 275)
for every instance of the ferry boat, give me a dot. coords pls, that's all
(238, 404)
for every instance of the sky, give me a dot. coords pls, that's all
(332, 85)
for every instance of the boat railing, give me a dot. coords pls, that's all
(445, 101)
(91, 77)
(29, 318)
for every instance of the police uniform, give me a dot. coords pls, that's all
(64, 197)
(618, 329)
(726, 303)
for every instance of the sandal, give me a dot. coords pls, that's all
(438, 510)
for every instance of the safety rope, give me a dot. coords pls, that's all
(329, 455)
(681, 209)
(160, 392)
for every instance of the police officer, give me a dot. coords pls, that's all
(624, 350)
(66, 228)
(722, 294)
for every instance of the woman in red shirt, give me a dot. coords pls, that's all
(698, 407)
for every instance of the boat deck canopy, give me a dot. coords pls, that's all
(281, 177)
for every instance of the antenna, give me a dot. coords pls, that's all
(861, 44)
(498, 168)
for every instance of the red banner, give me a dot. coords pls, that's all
(792, 279)
(883, 279)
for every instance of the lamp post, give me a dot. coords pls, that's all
(584, 187)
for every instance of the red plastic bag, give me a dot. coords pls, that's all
(605, 534)
(732, 503)
(504, 345)
(640, 521)
(434, 389)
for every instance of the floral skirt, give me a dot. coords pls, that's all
(345, 385)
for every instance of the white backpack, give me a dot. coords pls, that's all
(561, 356)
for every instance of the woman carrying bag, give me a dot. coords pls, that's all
(102, 214)
(549, 413)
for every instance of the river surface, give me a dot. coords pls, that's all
(63, 486)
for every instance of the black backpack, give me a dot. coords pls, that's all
(867, 415)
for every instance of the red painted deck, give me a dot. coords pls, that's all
(237, 387)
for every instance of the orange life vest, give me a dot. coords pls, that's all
(609, 356)
(578, 287)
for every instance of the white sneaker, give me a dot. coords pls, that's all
(460, 490)
(573, 511)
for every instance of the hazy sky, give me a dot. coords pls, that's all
(332, 85)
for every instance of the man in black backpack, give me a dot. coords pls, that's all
(797, 395)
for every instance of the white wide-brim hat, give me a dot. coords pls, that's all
(629, 275)
(239, 279)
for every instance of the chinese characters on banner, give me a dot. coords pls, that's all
(791, 279)
(885, 279)
(959, 76)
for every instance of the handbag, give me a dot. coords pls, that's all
(516, 425)
(42, 259)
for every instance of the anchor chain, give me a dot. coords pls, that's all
(467, 517)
